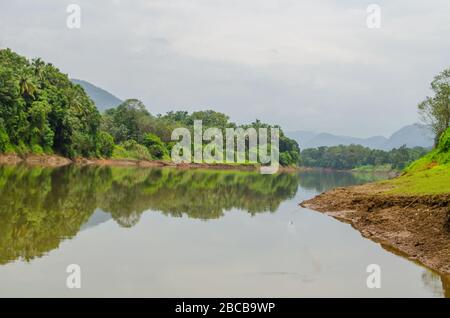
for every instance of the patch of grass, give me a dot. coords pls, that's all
(434, 180)
(428, 175)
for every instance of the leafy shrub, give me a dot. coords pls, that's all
(22, 148)
(132, 150)
(444, 142)
(105, 144)
(37, 149)
(5, 145)
(285, 159)
(155, 146)
(440, 156)
(81, 145)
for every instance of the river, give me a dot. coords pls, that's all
(188, 233)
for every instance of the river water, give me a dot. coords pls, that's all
(188, 233)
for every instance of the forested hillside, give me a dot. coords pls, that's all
(43, 112)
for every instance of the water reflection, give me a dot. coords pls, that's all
(40, 206)
(439, 285)
(321, 181)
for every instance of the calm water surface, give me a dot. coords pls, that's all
(174, 233)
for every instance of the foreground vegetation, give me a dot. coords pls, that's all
(431, 173)
(43, 112)
(428, 175)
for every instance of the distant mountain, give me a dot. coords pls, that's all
(411, 136)
(326, 139)
(102, 99)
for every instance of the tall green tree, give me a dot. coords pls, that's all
(128, 121)
(435, 110)
(27, 84)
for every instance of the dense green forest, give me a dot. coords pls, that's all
(140, 134)
(356, 156)
(42, 111)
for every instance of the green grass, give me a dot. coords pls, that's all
(428, 175)
(435, 180)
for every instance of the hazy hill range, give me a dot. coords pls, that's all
(102, 99)
(411, 136)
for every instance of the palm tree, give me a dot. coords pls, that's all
(38, 68)
(27, 84)
(74, 101)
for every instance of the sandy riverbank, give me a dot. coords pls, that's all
(416, 226)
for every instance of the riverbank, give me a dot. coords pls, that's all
(54, 161)
(387, 173)
(417, 226)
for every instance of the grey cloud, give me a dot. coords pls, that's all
(305, 65)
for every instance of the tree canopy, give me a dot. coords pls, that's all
(131, 121)
(42, 111)
(435, 110)
(356, 156)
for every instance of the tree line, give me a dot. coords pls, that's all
(357, 156)
(139, 133)
(43, 112)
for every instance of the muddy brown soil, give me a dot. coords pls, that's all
(35, 160)
(10, 159)
(161, 163)
(58, 161)
(416, 226)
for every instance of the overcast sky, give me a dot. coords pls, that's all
(306, 65)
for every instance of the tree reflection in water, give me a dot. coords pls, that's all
(39, 207)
